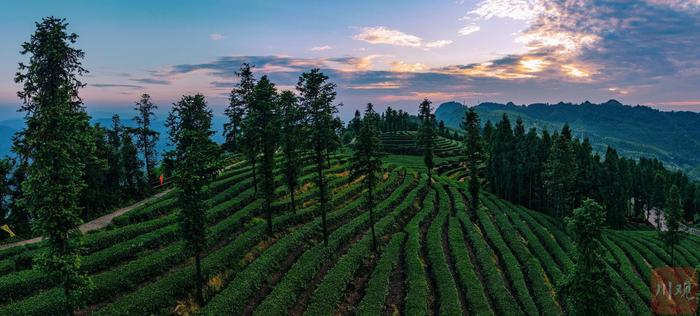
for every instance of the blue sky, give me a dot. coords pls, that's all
(385, 52)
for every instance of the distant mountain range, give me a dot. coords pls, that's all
(635, 131)
(10, 127)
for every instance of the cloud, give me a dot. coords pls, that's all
(216, 37)
(151, 81)
(513, 9)
(469, 29)
(384, 35)
(438, 44)
(400, 66)
(115, 85)
(321, 48)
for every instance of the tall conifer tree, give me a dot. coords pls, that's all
(316, 96)
(146, 136)
(474, 148)
(58, 143)
(267, 122)
(292, 141)
(367, 161)
(195, 158)
(673, 215)
(588, 287)
(426, 135)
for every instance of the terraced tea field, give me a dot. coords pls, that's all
(433, 259)
(404, 142)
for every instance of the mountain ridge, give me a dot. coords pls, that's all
(636, 131)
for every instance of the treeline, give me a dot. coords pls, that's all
(555, 172)
(117, 164)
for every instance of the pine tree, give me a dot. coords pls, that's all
(190, 131)
(520, 159)
(316, 96)
(58, 143)
(367, 162)
(474, 148)
(146, 136)
(133, 180)
(241, 96)
(560, 173)
(674, 213)
(115, 175)
(614, 197)
(292, 141)
(356, 123)
(237, 107)
(588, 288)
(96, 196)
(426, 135)
(265, 101)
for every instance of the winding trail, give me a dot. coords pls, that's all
(94, 224)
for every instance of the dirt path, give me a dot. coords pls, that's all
(94, 224)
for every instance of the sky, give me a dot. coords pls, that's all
(390, 53)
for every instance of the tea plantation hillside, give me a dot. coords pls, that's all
(404, 142)
(433, 259)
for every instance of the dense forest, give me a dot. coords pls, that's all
(298, 213)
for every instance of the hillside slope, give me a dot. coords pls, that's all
(433, 258)
(635, 131)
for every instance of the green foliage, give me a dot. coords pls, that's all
(587, 288)
(367, 161)
(448, 303)
(146, 137)
(378, 285)
(474, 151)
(291, 141)
(426, 134)
(417, 290)
(316, 97)
(674, 215)
(58, 138)
(196, 161)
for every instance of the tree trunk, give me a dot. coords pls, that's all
(198, 268)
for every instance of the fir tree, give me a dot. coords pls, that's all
(316, 96)
(588, 288)
(237, 107)
(195, 157)
(58, 143)
(475, 155)
(559, 177)
(674, 213)
(146, 136)
(133, 179)
(115, 175)
(241, 96)
(367, 162)
(292, 141)
(426, 135)
(266, 119)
